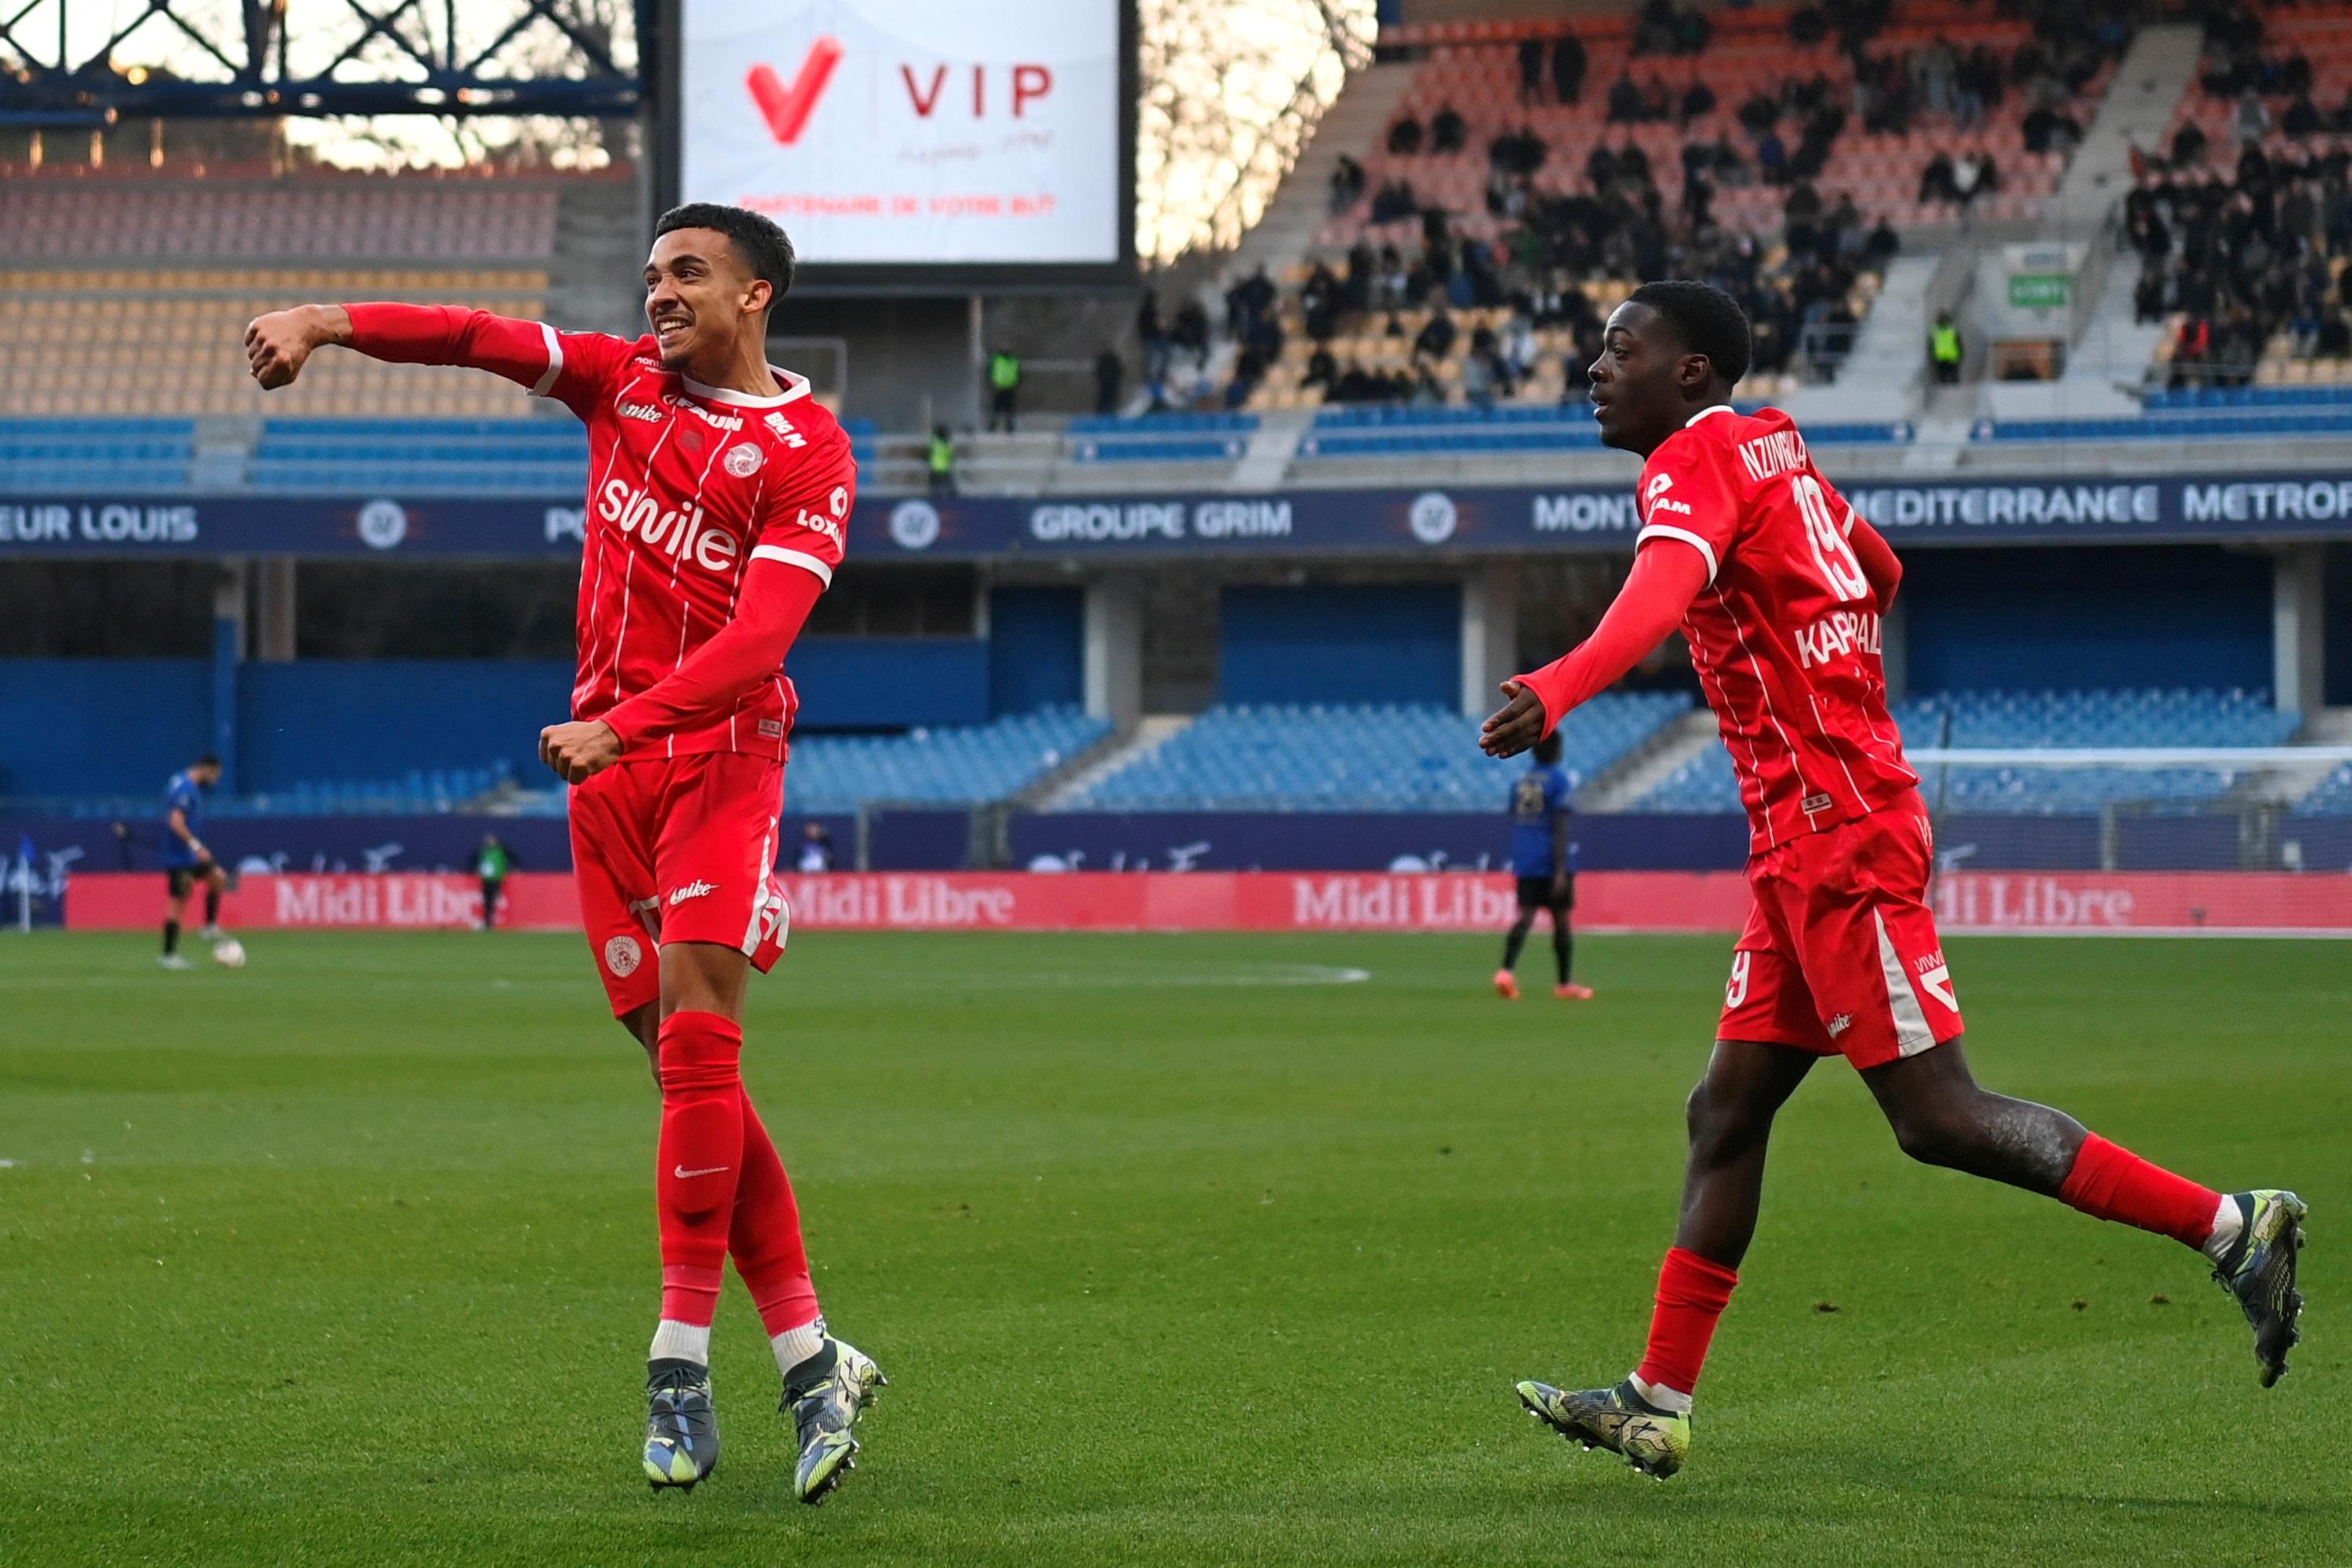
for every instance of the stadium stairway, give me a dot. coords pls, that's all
(2287, 784)
(1889, 357)
(1359, 118)
(591, 279)
(1148, 736)
(2159, 66)
(1652, 763)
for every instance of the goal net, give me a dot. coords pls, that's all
(2187, 839)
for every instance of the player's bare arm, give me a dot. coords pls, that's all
(278, 344)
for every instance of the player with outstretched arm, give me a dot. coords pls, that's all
(718, 494)
(1778, 587)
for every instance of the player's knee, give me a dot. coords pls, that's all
(1931, 1138)
(1712, 1121)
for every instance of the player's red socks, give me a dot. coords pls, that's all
(764, 1240)
(701, 1153)
(1692, 1294)
(2111, 1182)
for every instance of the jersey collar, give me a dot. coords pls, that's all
(795, 388)
(1717, 408)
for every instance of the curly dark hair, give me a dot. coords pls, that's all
(763, 246)
(1708, 320)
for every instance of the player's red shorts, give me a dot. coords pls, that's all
(682, 849)
(1840, 952)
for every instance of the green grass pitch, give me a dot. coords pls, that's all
(1177, 1250)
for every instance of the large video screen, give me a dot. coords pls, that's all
(913, 134)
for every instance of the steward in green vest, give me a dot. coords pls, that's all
(1004, 388)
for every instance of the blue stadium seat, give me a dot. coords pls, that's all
(2041, 718)
(2174, 421)
(1169, 423)
(1383, 757)
(1205, 449)
(68, 456)
(950, 766)
(1405, 428)
(2334, 795)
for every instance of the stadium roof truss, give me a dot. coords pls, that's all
(264, 58)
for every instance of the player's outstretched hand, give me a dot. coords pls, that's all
(1516, 725)
(278, 345)
(576, 751)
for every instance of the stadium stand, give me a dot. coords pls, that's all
(60, 457)
(2334, 795)
(146, 342)
(320, 217)
(1160, 437)
(948, 766)
(1527, 205)
(426, 792)
(480, 457)
(1350, 432)
(1389, 757)
(143, 286)
(2047, 719)
(2242, 219)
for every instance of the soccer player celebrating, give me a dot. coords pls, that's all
(1779, 587)
(186, 862)
(1542, 861)
(719, 495)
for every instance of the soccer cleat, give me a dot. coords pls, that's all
(1655, 1442)
(2260, 1272)
(174, 961)
(211, 933)
(1506, 985)
(825, 1406)
(681, 1427)
(1572, 992)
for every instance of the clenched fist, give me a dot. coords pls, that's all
(575, 750)
(278, 345)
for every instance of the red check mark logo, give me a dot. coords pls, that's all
(787, 109)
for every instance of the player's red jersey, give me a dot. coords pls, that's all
(1785, 637)
(687, 485)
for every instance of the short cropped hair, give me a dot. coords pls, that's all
(763, 246)
(1706, 320)
(208, 760)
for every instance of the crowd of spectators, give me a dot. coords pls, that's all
(2243, 253)
(1610, 218)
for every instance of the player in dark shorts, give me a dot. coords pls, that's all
(186, 862)
(1544, 861)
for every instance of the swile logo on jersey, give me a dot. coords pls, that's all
(680, 536)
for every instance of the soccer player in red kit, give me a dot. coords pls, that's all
(1778, 587)
(718, 494)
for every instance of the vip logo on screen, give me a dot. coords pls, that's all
(787, 107)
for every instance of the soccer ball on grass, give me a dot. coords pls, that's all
(229, 952)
